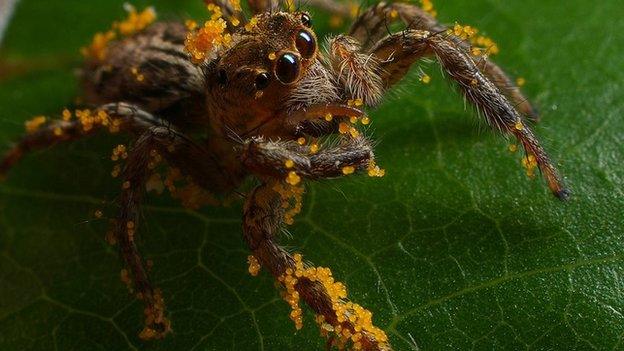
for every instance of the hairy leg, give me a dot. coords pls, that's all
(398, 51)
(174, 146)
(372, 25)
(262, 219)
(115, 117)
(278, 158)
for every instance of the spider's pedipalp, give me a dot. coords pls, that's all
(279, 158)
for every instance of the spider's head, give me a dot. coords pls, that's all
(269, 61)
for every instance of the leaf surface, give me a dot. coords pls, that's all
(454, 249)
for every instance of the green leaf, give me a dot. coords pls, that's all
(454, 249)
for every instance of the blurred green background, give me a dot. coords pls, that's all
(454, 249)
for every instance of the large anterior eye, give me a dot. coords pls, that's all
(287, 68)
(305, 43)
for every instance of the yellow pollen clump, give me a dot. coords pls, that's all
(513, 148)
(328, 117)
(116, 171)
(427, 6)
(293, 178)
(374, 170)
(530, 164)
(67, 115)
(343, 128)
(236, 5)
(314, 148)
(126, 185)
(520, 82)
(394, 14)
(254, 265)
(426, 79)
(301, 141)
(119, 151)
(289, 163)
(190, 24)
(272, 56)
(211, 35)
(352, 322)
(252, 24)
(58, 131)
(292, 200)
(34, 124)
(354, 132)
(136, 21)
(519, 125)
(346, 170)
(464, 32)
(99, 45)
(353, 119)
(354, 9)
(365, 120)
(98, 214)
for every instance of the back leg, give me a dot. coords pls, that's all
(114, 117)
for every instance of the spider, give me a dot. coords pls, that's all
(239, 98)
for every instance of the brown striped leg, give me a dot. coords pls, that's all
(372, 25)
(116, 117)
(398, 51)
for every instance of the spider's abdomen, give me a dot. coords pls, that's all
(150, 69)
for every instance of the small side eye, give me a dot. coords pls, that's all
(306, 20)
(287, 68)
(222, 77)
(262, 81)
(306, 44)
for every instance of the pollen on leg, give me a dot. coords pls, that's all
(348, 322)
(34, 124)
(293, 178)
(346, 170)
(254, 265)
(289, 163)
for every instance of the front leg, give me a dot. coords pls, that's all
(372, 25)
(347, 321)
(399, 50)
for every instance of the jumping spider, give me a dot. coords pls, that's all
(237, 98)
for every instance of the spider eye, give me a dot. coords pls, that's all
(262, 81)
(222, 77)
(306, 20)
(287, 68)
(306, 44)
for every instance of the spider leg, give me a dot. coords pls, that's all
(115, 117)
(278, 158)
(262, 220)
(398, 51)
(262, 6)
(372, 25)
(135, 175)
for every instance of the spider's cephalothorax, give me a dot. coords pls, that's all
(237, 98)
